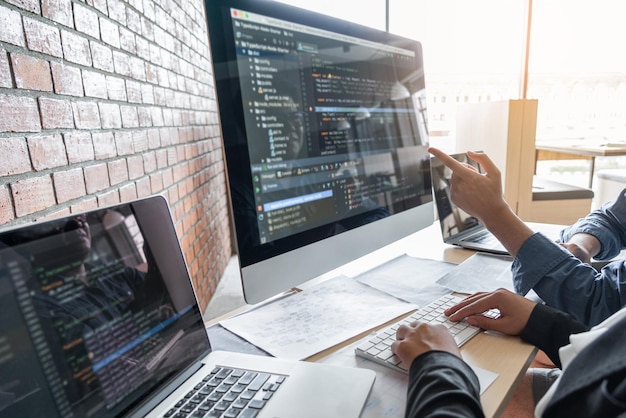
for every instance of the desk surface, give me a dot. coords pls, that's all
(506, 356)
(583, 147)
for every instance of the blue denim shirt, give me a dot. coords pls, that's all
(563, 282)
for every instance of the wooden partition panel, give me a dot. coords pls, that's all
(505, 130)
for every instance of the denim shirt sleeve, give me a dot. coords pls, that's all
(565, 283)
(607, 224)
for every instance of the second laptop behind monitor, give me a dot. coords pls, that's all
(459, 227)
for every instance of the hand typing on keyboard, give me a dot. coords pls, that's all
(501, 311)
(514, 311)
(417, 338)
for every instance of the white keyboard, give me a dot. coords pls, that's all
(377, 346)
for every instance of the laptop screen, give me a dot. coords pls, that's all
(453, 220)
(96, 311)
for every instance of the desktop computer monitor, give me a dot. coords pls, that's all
(325, 139)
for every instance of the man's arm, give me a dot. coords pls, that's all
(544, 327)
(549, 329)
(602, 233)
(441, 384)
(563, 282)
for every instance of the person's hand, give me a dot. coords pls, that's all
(514, 311)
(478, 194)
(418, 338)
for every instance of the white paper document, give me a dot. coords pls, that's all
(307, 322)
(481, 272)
(409, 278)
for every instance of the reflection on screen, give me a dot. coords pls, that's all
(452, 218)
(87, 322)
(335, 126)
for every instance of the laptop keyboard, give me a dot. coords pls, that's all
(484, 237)
(377, 346)
(229, 393)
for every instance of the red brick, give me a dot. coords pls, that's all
(102, 56)
(32, 195)
(116, 88)
(31, 73)
(137, 4)
(14, 158)
(145, 117)
(29, 5)
(11, 30)
(19, 114)
(156, 115)
(76, 48)
(5, 71)
(148, 10)
(133, 21)
(96, 178)
(47, 151)
(130, 119)
(143, 187)
(121, 63)
(95, 84)
(86, 115)
(104, 145)
(110, 32)
(67, 79)
(100, 5)
(154, 138)
(86, 20)
(127, 40)
(55, 113)
(59, 11)
(133, 91)
(161, 159)
(156, 183)
(117, 11)
(124, 143)
(149, 162)
(135, 167)
(110, 115)
(69, 184)
(88, 203)
(168, 118)
(147, 94)
(6, 208)
(143, 48)
(137, 69)
(42, 37)
(118, 171)
(127, 193)
(79, 147)
(109, 198)
(140, 141)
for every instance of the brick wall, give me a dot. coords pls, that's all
(105, 101)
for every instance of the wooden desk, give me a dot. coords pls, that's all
(578, 149)
(506, 356)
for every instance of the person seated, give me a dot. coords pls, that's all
(560, 274)
(593, 381)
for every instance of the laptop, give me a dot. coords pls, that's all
(459, 227)
(98, 318)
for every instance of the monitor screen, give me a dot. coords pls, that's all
(325, 137)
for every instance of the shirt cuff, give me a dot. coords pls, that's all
(537, 256)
